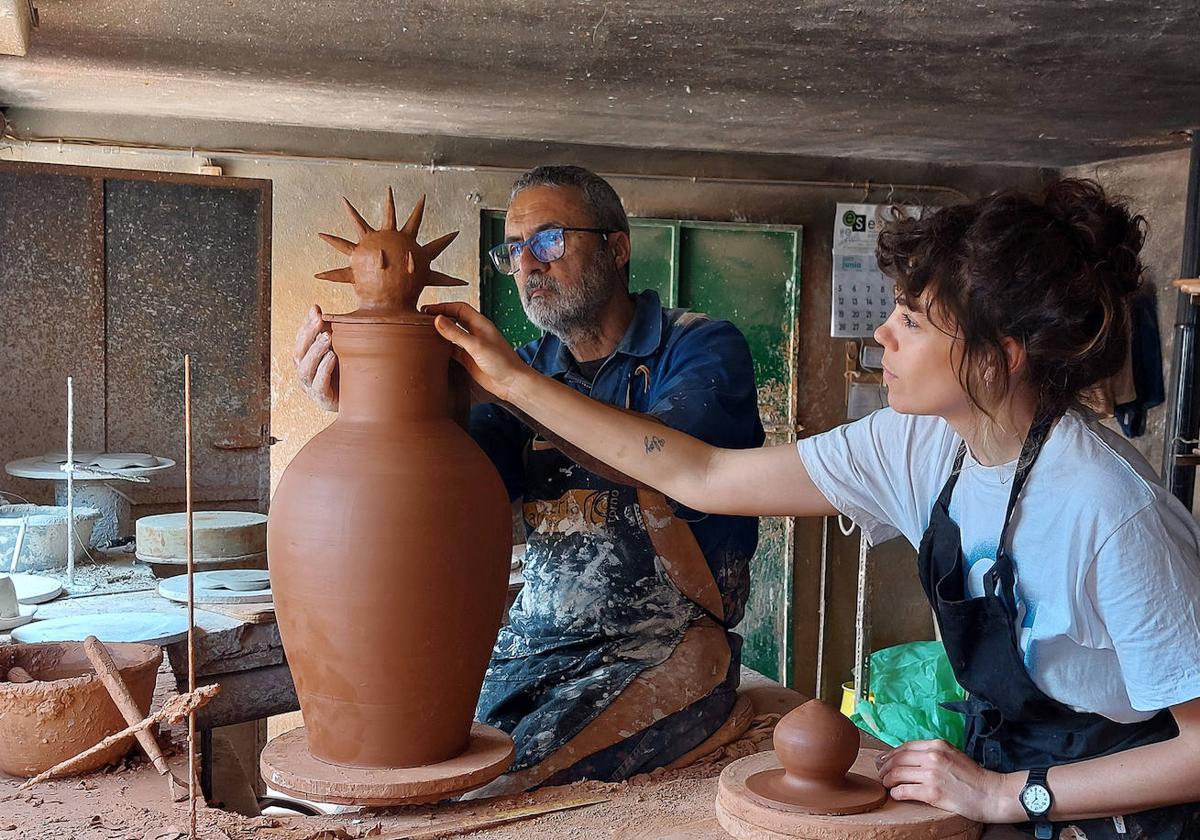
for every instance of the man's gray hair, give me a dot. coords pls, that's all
(602, 200)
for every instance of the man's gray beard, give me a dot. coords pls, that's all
(574, 314)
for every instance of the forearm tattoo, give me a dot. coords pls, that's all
(654, 444)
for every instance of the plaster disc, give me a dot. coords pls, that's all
(142, 627)
(216, 535)
(35, 589)
(175, 589)
(751, 817)
(288, 766)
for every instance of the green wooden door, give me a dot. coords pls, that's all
(747, 274)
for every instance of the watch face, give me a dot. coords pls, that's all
(1036, 799)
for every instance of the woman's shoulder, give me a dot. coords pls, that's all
(1104, 470)
(893, 441)
(924, 434)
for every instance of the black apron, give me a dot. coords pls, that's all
(1011, 724)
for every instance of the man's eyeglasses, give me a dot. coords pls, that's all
(546, 246)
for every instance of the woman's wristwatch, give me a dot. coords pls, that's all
(1037, 801)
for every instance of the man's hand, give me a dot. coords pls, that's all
(936, 773)
(479, 347)
(316, 363)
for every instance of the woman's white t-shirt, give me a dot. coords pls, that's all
(1107, 561)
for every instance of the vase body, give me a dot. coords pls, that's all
(388, 541)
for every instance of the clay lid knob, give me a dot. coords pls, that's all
(388, 267)
(816, 742)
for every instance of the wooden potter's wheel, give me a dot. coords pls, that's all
(288, 766)
(817, 785)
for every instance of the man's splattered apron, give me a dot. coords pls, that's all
(613, 579)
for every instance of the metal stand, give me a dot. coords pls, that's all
(1183, 407)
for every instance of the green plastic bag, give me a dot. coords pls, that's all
(908, 684)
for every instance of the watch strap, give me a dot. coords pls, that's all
(1043, 829)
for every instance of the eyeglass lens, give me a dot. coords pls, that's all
(545, 245)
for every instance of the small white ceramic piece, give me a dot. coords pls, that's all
(81, 458)
(142, 627)
(122, 461)
(35, 589)
(12, 613)
(241, 580)
(13, 622)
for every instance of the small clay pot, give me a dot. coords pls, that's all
(816, 746)
(67, 708)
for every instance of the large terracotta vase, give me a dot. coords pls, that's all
(389, 534)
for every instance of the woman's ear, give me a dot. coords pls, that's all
(1014, 354)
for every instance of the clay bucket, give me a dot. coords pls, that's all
(67, 709)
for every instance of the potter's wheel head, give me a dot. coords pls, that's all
(388, 267)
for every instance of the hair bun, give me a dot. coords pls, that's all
(1107, 235)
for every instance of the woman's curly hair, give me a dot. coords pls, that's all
(1053, 271)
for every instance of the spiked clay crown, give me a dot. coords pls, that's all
(388, 267)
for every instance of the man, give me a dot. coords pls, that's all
(617, 657)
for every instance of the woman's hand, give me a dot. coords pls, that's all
(936, 773)
(479, 347)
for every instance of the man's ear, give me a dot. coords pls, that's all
(619, 244)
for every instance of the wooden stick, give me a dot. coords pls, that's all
(191, 595)
(478, 822)
(174, 710)
(110, 675)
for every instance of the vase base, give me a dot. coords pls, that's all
(288, 766)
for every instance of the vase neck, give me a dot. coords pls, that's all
(391, 372)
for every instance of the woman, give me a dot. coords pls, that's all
(1064, 578)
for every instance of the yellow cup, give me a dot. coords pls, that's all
(849, 701)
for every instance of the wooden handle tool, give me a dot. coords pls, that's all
(110, 675)
(107, 670)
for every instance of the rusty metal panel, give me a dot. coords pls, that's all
(186, 274)
(51, 318)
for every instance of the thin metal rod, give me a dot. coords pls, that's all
(70, 481)
(191, 600)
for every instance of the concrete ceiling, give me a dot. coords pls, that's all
(1029, 82)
